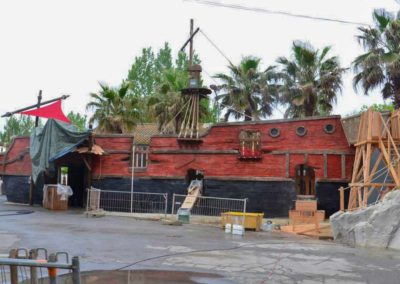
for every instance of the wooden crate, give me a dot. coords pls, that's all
(300, 217)
(306, 205)
(252, 221)
(52, 201)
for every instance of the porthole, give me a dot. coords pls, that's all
(329, 128)
(301, 131)
(274, 132)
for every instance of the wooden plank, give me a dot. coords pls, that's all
(357, 161)
(188, 151)
(341, 192)
(359, 197)
(191, 198)
(377, 184)
(312, 152)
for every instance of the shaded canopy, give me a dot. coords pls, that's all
(51, 142)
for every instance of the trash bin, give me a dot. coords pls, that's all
(184, 215)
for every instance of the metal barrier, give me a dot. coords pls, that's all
(210, 206)
(35, 266)
(127, 202)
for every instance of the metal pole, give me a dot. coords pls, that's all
(13, 268)
(132, 174)
(244, 212)
(166, 205)
(34, 106)
(52, 271)
(34, 278)
(191, 44)
(39, 100)
(173, 205)
(76, 270)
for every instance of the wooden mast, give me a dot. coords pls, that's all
(189, 130)
(376, 169)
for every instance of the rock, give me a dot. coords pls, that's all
(375, 226)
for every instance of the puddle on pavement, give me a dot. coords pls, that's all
(145, 277)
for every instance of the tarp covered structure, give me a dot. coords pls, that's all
(51, 142)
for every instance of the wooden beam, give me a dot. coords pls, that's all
(357, 161)
(341, 192)
(312, 152)
(377, 184)
(189, 151)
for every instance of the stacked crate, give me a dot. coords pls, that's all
(306, 212)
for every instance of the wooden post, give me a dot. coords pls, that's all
(191, 44)
(32, 184)
(341, 192)
(13, 268)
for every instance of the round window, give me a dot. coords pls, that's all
(274, 132)
(301, 131)
(329, 128)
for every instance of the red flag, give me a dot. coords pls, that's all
(50, 111)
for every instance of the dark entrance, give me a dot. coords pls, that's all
(305, 180)
(76, 173)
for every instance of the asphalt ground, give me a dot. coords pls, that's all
(113, 243)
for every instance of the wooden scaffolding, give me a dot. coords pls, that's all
(376, 169)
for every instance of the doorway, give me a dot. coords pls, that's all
(72, 171)
(305, 180)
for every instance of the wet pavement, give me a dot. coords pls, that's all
(110, 243)
(146, 277)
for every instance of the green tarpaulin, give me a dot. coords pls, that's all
(52, 141)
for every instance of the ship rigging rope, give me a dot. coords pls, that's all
(386, 167)
(165, 126)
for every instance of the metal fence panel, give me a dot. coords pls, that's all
(127, 202)
(33, 267)
(210, 206)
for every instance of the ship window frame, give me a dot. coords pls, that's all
(327, 130)
(301, 133)
(250, 144)
(141, 156)
(274, 129)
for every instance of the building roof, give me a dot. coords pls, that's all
(144, 131)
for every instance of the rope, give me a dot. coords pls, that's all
(216, 47)
(165, 126)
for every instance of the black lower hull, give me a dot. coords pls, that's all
(273, 198)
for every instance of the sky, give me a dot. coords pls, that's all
(68, 47)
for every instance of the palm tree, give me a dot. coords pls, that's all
(310, 80)
(248, 92)
(379, 66)
(115, 110)
(168, 105)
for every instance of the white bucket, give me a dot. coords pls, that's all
(228, 228)
(238, 230)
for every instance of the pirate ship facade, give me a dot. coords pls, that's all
(268, 162)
